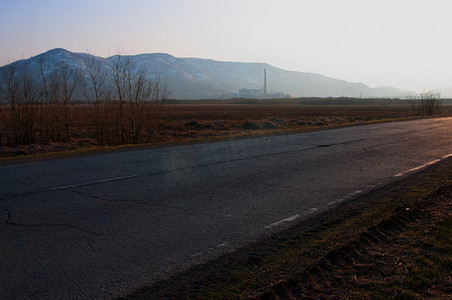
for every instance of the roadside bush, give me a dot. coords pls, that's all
(426, 104)
(250, 126)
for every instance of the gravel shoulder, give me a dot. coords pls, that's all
(393, 242)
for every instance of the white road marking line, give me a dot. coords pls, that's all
(96, 182)
(424, 165)
(22, 165)
(289, 219)
(348, 196)
(355, 193)
(210, 249)
(418, 167)
(292, 218)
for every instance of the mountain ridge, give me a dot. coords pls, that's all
(199, 78)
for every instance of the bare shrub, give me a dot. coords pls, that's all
(126, 105)
(157, 108)
(428, 103)
(63, 83)
(56, 89)
(140, 101)
(98, 95)
(21, 97)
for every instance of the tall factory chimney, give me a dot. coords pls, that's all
(265, 81)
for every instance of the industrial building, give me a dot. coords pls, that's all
(255, 93)
(250, 93)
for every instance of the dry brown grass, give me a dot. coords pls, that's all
(189, 122)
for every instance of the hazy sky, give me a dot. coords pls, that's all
(406, 44)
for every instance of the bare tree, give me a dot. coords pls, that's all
(430, 103)
(141, 100)
(119, 68)
(99, 96)
(157, 107)
(21, 96)
(413, 105)
(63, 83)
(427, 103)
(44, 111)
(127, 104)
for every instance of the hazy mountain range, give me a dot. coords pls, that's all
(195, 78)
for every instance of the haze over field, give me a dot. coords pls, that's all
(404, 44)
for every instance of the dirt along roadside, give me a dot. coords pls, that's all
(394, 242)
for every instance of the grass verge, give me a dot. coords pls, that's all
(28, 153)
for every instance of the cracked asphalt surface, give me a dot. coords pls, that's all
(104, 225)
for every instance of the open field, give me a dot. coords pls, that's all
(206, 120)
(392, 243)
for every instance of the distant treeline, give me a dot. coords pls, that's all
(306, 101)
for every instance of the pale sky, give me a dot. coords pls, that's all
(402, 43)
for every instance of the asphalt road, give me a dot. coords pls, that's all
(104, 225)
